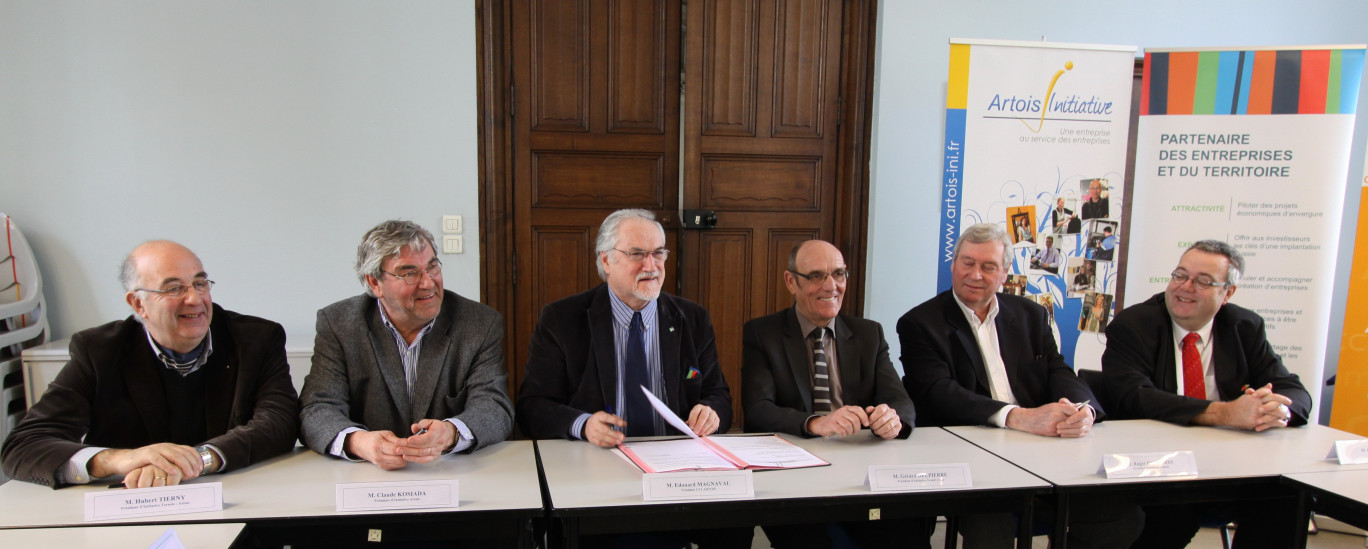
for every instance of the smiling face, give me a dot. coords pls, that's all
(1095, 190)
(819, 303)
(409, 307)
(1193, 307)
(635, 282)
(178, 324)
(977, 273)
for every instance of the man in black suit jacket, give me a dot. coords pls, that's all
(591, 352)
(855, 387)
(179, 389)
(972, 356)
(571, 388)
(1234, 377)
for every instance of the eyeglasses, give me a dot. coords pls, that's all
(818, 277)
(638, 255)
(179, 290)
(413, 276)
(1177, 278)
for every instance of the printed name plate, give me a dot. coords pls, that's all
(407, 494)
(697, 486)
(151, 502)
(918, 478)
(1349, 452)
(1150, 464)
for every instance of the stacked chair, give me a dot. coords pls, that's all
(23, 320)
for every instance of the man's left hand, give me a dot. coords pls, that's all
(884, 421)
(1077, 425)
(703, 420)
(1273, 408)
(440, 437)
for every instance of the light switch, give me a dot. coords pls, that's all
(451, 224)
(452, 244)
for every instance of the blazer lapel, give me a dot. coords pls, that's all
(1009, 347)
(432, 361)
(220, 383)
(961, 333)
(601, 337)
(796, 349)
(142, 380)
(386, 354)
(669, 330)
(849, 361)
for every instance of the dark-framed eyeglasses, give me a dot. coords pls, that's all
(178, 291)
(638, 255)
(1201, 282)
(818, 277)
(413, 276)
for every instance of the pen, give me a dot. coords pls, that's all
(1080, 405)
(609, 409)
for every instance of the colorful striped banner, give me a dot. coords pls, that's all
(1251, 82)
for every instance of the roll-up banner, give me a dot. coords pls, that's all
(1035, 141)
(1350, 411)
(1250, 146)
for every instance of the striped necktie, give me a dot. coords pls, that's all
(821, 380)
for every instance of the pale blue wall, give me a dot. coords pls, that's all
(267, 136)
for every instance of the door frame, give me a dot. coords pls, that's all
(494, 64)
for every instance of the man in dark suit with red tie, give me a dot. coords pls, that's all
(1189, 356)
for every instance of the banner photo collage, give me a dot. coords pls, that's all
(1035, 141)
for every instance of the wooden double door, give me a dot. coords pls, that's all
(756, 110)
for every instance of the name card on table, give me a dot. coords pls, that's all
(918, 478)
(1150, 464)
(1349, 452)
(697, 486)
(152, 502)
(404, 494)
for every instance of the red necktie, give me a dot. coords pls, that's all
(1194, 379)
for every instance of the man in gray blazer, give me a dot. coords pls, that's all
(407, 372)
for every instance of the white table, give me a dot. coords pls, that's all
(292, 498)
(592, 490)
(208, 536)
(1231, 464)
(1340, 494)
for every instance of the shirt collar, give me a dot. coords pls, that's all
(622, 313)
(806, 326)
(1204, 333)
(183, 367)
(972, 316)
(384, 318)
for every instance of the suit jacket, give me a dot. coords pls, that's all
(944, 372)
(776, 387)
(1141, 366)
(357, 376)
(572, 363)
(110, 395)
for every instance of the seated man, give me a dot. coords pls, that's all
(407, 372)
(179, 389)
(1189, 356)
(972, 356)
(592, 352)
(1047, 258)
(811, 371)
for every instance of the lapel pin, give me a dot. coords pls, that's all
(671, 328)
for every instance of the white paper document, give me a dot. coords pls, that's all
(1150, 464)
(151, 502)
(718, 454)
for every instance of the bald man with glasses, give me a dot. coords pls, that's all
(181, 388)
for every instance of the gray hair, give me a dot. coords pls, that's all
(386, 240)
(608, 233)
(979, 233)
(128, 273)
(1217, 247)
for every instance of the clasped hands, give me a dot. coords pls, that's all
(605, 430)
(431, 438)
(1257, 409)
(1056, 419)
(848, 420)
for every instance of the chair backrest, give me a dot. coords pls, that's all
(1096, 381)
(21, 284)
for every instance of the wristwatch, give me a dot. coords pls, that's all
(207, 457)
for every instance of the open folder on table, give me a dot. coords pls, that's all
(757, 452)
